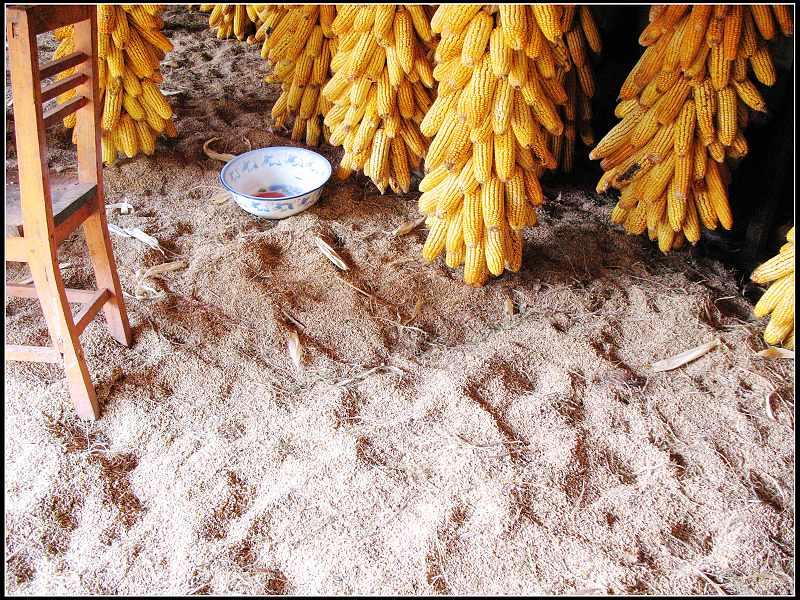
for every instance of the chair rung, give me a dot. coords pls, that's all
(55, 114)
(90, 309)
(59, 87)
(62, 64)
(33, 354)
(28, 290)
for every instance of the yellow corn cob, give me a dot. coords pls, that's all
(124, 136)
(784, 18)
(476, 38)
(506, 88)
(749, 94)
(778, 266)
(228, 19)
(635, 222)
(645, 129)
(146, 138)
(684, 128)
(380, 72)
(762, 16)
(105, 18)
(134, 110)
(514, 22)
(763, 67)
(717, 195)
(694, 34)
(590, 30)
(691, 224)
(726, 115)
(774, 294)
(732, 24)
(778, 301)
(715, 31)
(705, 107)
(678, 196)
(548, 18)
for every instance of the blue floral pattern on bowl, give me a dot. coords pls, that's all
(297, 173)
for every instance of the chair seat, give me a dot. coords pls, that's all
(67, 197)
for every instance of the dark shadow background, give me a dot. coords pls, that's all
(762, 187)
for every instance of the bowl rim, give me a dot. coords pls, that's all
(282, 198)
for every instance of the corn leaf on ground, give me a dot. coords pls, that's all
(778, 301)
(130, 47)
(683, 111)
(380, 90)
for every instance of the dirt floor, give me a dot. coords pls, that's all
(430, 442)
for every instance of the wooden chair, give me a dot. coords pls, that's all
(47, 216)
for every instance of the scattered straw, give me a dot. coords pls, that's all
(367, 373)
(408, 227)
(776, 353)
(295, 349)
(508, 307)
(329, 253)
(221, 156)
(683, 358)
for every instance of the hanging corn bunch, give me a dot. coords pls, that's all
(778, 300)
(582, 36)
(493, 123)
(382, 72)
(130, 47)
(298, 43)
(684, 107)
(238, 20)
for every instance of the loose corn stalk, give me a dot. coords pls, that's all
(237, 20)
(379, 91)
(493, 125)
(298, 44)
(778, 301)
(683, 109)
(130, 47)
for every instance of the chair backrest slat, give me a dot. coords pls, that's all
(43, 18)
(52, 90)
(54, 67)
(58, 112)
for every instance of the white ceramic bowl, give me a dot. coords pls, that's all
(297, 173)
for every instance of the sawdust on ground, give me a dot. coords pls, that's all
(430, 443)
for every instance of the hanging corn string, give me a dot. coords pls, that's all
(130, 47)
(298, 42)
(237, 20)
(582, 37)
(778, 300)
(495, 124)
(684, 108)
(379, 91)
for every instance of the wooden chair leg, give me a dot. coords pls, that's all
(58, 314)
(105, 269)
